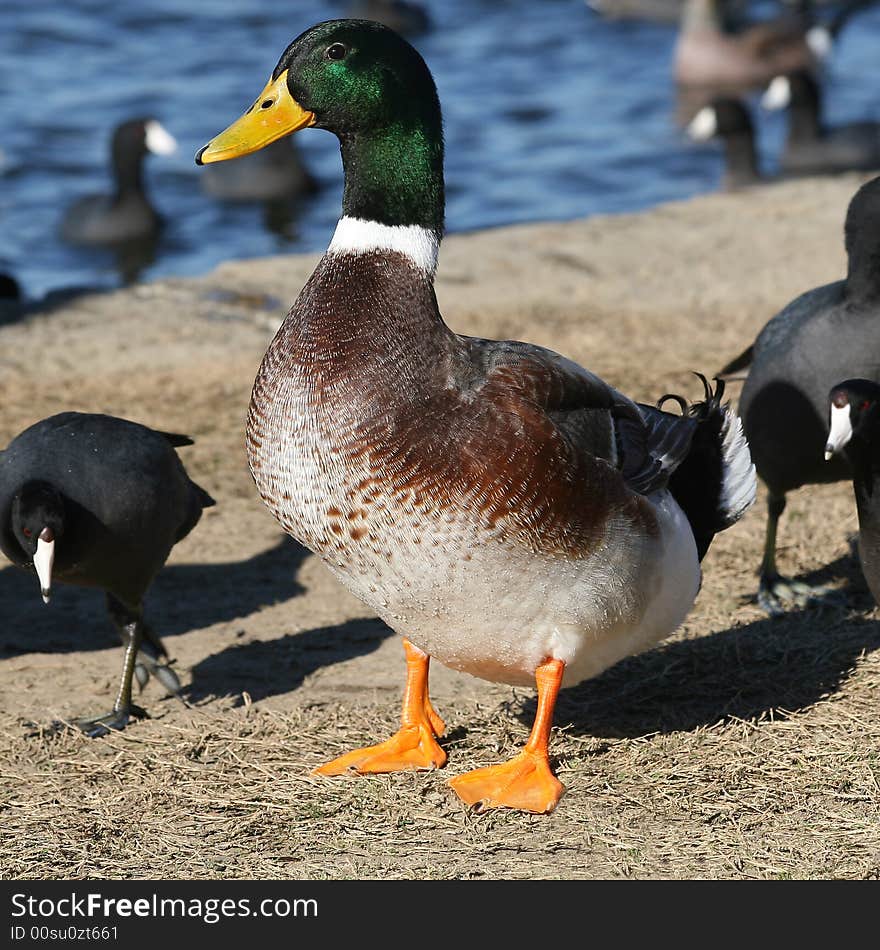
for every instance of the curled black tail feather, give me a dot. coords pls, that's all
(715, 484)
(682, 402)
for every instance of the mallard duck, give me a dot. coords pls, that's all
(705, 54)
(812, 147)
(728, 119)
(854, 430)
(824, 335)
(126, 214)
(503, 509)
(98, 501)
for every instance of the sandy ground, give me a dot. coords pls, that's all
(742, 748)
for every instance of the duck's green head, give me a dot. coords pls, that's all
(372, 89)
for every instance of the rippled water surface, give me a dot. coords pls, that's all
(550, 113)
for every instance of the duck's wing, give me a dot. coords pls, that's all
(643, 443)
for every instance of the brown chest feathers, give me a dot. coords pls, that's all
(369, 414)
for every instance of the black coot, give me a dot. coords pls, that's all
(98, 501)
(126, 214)
(827, 334)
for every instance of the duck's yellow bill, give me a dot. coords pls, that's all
(275, 114)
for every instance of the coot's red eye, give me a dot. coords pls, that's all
(866, 404)
(26, 532)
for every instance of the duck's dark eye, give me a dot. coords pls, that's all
(335, 51)
(26, 532)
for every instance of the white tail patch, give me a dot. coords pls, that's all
(739, 482)
(778, 94)
(820, 41)
(357, 236)
(704, 125)
(158, 139)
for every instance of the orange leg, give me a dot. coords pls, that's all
(414, 745)
(526, 781)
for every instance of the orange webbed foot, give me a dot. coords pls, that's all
(412, 748)
(525, 783)
(436, 723)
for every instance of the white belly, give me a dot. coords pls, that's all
(497, 612)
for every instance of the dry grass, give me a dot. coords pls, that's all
(754, 754)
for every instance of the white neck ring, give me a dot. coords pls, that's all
(357, 236)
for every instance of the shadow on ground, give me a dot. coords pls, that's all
(771, 666)
(843, 577)
(183, 597)
(272, 667)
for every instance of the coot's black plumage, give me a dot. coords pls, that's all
(824, 335)
(126, 214)
(812, 147)
(854, 431)
(10, 289)
(274, 174)
(98, 501)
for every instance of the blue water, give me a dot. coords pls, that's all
(550, 113)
